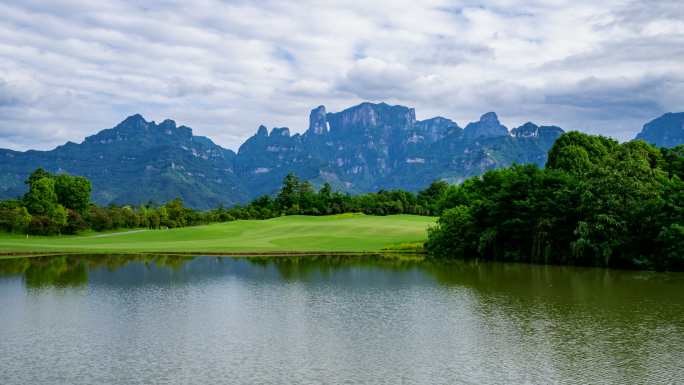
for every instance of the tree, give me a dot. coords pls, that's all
(14, 219)
(674, 161)
(74, 223)
(73, 192)
(176, 213)
(430, 197)
(671, 239)
(454, 235)
(289, 193)
(325, 192)
(153, 219)
(596, 148)
(41, 198)
(99, 219)
(47, 197)
(574, 159)
(36, 175)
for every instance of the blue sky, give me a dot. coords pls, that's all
(69, 68)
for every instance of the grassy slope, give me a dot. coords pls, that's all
(346, 232)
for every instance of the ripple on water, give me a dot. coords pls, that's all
(242, 321)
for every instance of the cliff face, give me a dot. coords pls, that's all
(363, 148)
(377, 146)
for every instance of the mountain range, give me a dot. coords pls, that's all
(364, 148)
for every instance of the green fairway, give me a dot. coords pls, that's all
(336, 233)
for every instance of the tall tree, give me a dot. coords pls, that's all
(289, 193)
(41, 198)
(73, 192)
(36, 175)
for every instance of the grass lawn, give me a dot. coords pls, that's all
(335, 233)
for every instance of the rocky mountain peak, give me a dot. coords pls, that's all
(527, 130)
(262, 131)
(133, 122)
(490, 118)
(370, 115)
(531, 130)
(280, 131)
(318, 122)
(488, 126)
(364, 114)
(133, 128)
(167, 124)
(436, 128)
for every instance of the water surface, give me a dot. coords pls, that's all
(355, 320)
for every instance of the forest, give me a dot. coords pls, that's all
(595, 203)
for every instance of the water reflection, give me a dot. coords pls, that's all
(365, 319)
(72, 270)
(530, 281)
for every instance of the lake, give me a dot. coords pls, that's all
(352, 320)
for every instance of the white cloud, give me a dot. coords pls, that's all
(71, 67)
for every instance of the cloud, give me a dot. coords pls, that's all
(372, 78)
(71, 67)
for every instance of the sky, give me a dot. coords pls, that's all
(69, 68)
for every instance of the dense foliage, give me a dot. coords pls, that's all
(60, 204)
(53, 204)
(595, 203)
(299, 197)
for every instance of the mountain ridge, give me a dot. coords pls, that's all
(666, 130)
(362, 148)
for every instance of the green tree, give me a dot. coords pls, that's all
(289, 193)
(596, 148)
(325, 192)
(14, 219)
(74, 223)
(454, 235)
(41, 198)
(671, 239)
(99, 219)
(73, 192)
(431, 196)
(36, 175)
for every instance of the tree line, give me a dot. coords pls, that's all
(596, 202)
(60, 204)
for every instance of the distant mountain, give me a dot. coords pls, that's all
(135, 162)
(363, 148)
(665, 131)
(377, 146)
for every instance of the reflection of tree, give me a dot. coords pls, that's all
(559, 284)
(72, 270)
(14, 266)
(527, 282)
(295, 267)
(57, 271)
(115, 262)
